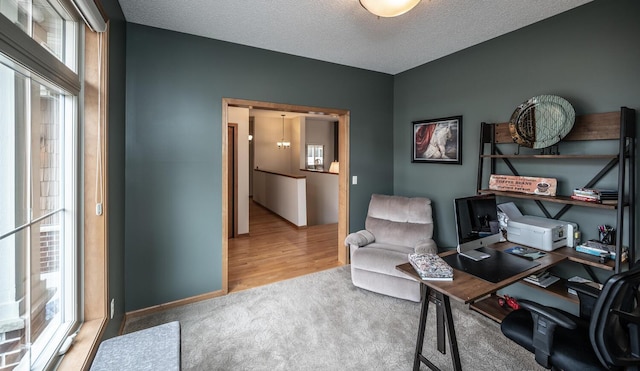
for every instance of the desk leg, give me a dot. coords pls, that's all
(447, 317)
(423, 323)
(453, 341)
(440, 324)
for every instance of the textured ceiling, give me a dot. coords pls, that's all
(341, 31)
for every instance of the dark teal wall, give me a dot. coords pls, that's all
(589, 55)
(174, 89)
(175, 84)
(116, 155)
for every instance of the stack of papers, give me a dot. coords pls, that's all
(542, 279)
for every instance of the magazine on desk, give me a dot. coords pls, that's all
(431, 267)
(525, 252)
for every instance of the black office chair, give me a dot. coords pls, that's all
(607, 340)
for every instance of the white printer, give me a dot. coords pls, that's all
(541, 233)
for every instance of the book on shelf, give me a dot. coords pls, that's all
(612, 201)
(543, 279)
(595, 195)
(595, 192)
(585, 198)
(585, 281)
(597, 248)
(431, 267)
(525, 252)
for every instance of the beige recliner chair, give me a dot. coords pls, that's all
(395, 227)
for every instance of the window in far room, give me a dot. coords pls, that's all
(315, 159)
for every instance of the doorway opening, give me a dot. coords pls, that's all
(342, 117)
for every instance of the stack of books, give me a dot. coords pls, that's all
(431, 267)
(597, 248)
(582, 280)
(542, 279)
(595, 195)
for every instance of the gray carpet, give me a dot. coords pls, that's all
(322, 322)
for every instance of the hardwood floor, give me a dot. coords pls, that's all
(276, 250)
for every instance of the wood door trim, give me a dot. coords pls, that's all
(96, 289)
(343, 176)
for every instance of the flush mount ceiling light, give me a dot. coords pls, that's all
(388, 8)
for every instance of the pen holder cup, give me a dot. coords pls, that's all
(608, 237)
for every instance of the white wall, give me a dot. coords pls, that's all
(301, 150)
(322, 198)
(251, 156)
(321, 132)
(297, 144)
(268, 131)
(321, 189)
(240, 116)
(284, 195)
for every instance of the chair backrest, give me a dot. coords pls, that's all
(615, 321)
(399, 220)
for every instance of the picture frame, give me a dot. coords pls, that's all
(437, 141)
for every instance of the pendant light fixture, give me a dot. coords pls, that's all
(282, 143)
(388, 8)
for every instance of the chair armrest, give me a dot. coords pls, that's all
(359, 238)
(426, 246)
(549, 313)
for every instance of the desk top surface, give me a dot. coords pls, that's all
(467, 288)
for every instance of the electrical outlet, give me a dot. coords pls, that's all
(113, 307)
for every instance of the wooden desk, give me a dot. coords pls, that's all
(466, 288)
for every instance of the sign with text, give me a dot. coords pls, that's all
(523, 184)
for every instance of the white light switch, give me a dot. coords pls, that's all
(354, 180)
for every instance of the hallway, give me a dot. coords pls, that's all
(276, 250)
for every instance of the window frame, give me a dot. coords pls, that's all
(316, 149)
(24, 55)
(94, 265)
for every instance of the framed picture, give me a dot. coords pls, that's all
(438, 140)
